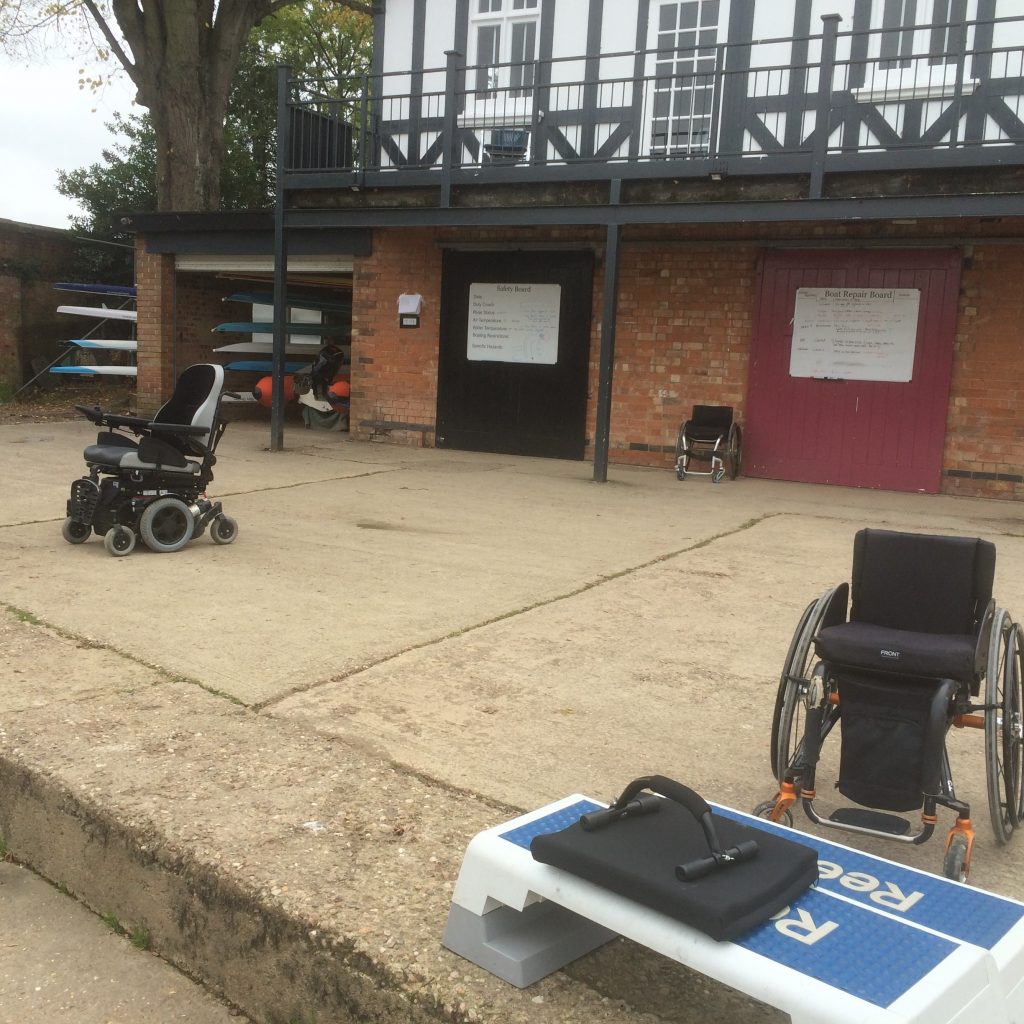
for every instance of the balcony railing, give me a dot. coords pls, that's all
(944, 95)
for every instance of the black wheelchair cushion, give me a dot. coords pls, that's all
(637, 858)
(921, 583)
(108, 455)
(904, 652)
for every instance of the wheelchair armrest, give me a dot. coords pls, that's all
(108, 419)
(984, 640)
(176, 428)
(93, 413)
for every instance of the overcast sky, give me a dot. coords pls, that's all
(48, 124)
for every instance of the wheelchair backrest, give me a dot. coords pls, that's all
(712, 417)
(196, 399)
(921, 583)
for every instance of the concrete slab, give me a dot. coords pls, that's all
(416, 644)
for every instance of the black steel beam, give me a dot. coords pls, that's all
(788, 210)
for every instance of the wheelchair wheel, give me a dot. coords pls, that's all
(794, 687)
(119, 540)
(166, 524)
(223, 530)
(734, 452)
(74, 532)
(1003, 727)
(954, 864)
(681, 452)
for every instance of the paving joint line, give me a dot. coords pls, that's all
(260, 706)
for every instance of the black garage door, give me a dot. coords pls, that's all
(514, 353)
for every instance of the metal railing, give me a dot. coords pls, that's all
(836, 99)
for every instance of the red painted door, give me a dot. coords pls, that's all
(858, 433)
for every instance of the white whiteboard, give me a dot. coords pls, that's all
(855, 333)
(513, 323)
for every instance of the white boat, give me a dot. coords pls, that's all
(100, 312)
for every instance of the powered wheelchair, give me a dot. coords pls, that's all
(154, 484)
(712, 436)
(923, 649)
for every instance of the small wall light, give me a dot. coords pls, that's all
(409, 308)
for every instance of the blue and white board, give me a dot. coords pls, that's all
(126, 345)
(293, 301)
(127, 291)
(266, 366)
(97, 371)
(266, 348)
(266, 327)
(100, 312)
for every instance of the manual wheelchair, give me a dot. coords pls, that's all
(712, 436)
(923, 649)
(153, 485)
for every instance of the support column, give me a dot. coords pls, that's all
(606, 359)
(154, 279)
(280, 268)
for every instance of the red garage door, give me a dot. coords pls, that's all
(861, 433)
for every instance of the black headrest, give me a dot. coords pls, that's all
(921, 583)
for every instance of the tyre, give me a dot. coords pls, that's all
(682, 452)
(166, 525)
(955, 863)
(1003, 727)
(734, 456)
(223, 530)
(74, 532)
(119, 540)
(795, 689)
(765, 808)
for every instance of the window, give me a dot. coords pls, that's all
(899, 19)
(684, 84)
(505, 34)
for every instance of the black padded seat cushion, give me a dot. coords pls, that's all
(106, 454)
(637, 857)
(878, 648)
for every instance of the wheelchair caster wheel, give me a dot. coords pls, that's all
(718, 476)
(223, 530)
(680, 474)
(956, 863)
(764, 810)
(119, 540)
(74, 532)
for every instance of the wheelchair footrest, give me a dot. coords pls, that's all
(877, 821)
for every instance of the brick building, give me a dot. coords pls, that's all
(678, 199)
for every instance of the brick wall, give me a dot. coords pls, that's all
(32, 258)
(394, 371)
(177, 313)
(683, 338)
(984, 453)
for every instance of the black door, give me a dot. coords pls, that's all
(514, 352)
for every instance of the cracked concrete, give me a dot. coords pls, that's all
(273, 754)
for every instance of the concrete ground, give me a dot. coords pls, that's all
(271, 755)
(60, 963)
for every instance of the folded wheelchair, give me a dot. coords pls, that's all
(712, 436)
(148, 477)
(923, 649)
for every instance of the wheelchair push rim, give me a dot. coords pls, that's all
(1003, 728)
(794, 686)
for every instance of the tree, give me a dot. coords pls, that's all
(316, 37)
(181, 55)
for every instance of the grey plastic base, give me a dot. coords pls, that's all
(522, 947)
